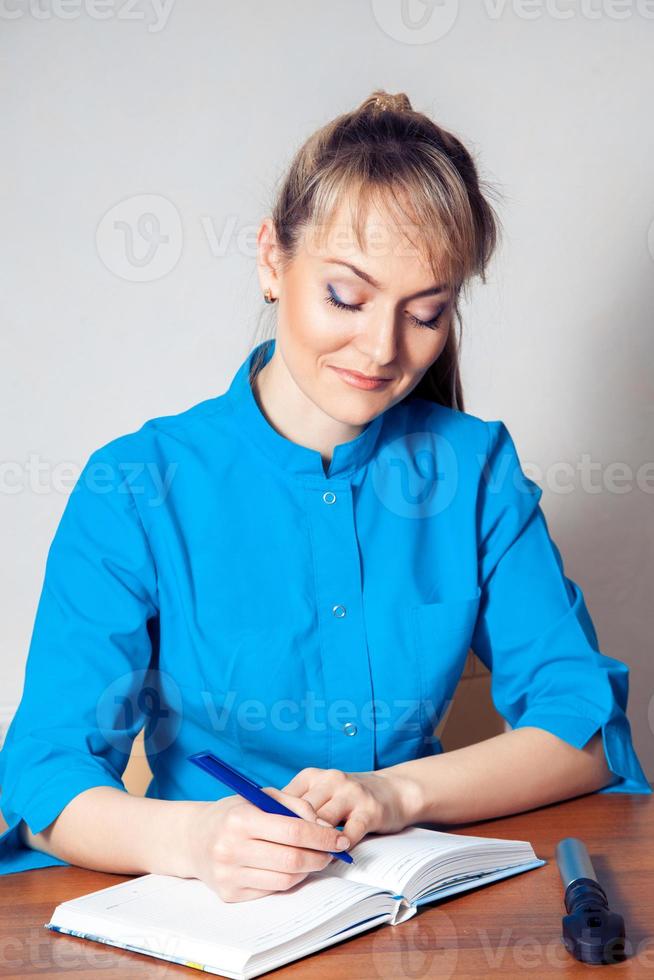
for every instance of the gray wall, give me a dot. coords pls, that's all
(189, 111)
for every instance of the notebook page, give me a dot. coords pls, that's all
(392, 860)
(190, 920)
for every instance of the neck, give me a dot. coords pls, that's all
(293, 415)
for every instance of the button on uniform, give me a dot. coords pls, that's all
(344, 667)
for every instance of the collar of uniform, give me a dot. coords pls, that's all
(347, 457)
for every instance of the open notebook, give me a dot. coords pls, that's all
(184, 921)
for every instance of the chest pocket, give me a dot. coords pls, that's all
(441, 634)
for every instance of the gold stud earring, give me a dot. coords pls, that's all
(268, 296)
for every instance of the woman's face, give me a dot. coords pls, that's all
(378, 312)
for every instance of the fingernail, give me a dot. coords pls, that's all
(323, 822)
(342, 842)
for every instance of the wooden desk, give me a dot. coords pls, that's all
(508, 928)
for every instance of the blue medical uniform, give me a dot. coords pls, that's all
(210, 581)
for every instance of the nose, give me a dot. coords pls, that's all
(378, 341)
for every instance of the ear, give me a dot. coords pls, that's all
(268, 256)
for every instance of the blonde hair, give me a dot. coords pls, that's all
(385, 152)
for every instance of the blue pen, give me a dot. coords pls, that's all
(250, 790)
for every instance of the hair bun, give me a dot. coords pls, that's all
(385, 101)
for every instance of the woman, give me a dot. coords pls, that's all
(291, 573)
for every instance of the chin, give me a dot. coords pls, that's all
(352, 417)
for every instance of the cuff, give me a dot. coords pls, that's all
(616, 738)
(42, 808)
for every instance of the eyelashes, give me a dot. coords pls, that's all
(332, 299)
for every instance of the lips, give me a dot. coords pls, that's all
(365, 377)
(357, 380)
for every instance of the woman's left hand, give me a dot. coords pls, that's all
(364, 802)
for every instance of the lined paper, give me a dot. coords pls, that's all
(393, 860)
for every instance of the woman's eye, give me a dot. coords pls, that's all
(430, 324)
(333, 299)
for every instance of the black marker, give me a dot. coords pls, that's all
(591, 932)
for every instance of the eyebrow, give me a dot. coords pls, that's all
(373, 282)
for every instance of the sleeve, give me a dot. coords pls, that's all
(533, 630)
(89, 652)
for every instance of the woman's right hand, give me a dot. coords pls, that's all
(242, 852)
